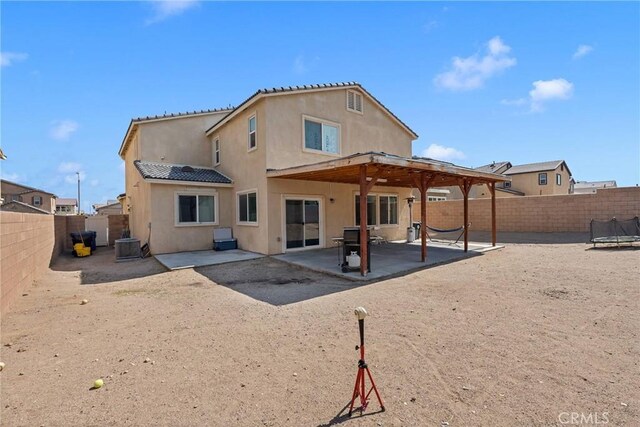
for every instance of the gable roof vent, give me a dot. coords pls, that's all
(187, 169)
(354, 101)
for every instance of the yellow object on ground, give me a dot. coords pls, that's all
(81, 250)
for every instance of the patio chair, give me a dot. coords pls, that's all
(223, 239)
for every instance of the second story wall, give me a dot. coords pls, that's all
(529, 185)
(40, 199)
(371, 130)
(179, 140)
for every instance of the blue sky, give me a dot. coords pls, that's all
(479, 82)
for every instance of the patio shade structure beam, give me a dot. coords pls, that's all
(386, 170)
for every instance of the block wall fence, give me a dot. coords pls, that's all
(548, 214)
(30, 243)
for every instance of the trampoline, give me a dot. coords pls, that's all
(615, 231)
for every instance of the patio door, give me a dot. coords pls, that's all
(302, 223)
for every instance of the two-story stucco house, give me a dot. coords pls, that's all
(187, 174)
(22, 198)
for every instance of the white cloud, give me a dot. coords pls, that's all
(13, 177)
(69, 169)
(163, 9)
(549, 90)
(430, 26)
(543, 91)
(440, 152)
(472, 72)
(94, 182)
(61, 130)
(583, 50)
(9, 58)
(301, 65)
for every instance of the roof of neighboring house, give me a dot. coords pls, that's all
(23, 205)
(594, 184)
(296, 89)
(66, 202)
(107, 206)
(492, 167)
(171, 172)
(135, 121)
(510, 191)
(536, 167)
(27, 189)
(121, 195)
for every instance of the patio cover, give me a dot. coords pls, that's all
(374, 168)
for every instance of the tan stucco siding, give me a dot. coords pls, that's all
(528, 183)
(247, 169)
(179, 141)
(336, 215)
(373, 130)
(168, 237)
(137, 194)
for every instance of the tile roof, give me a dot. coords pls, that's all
(286, 89)
(534, 167)
(66, 202)
(185, 113)
(492, 167)
(171, 172)
(5, 207)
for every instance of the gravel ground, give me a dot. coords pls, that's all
(525, 335)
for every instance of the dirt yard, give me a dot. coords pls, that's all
(526, 335)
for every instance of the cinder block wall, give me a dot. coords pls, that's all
(26, 248)
(559, 213)
(117, 223)
(74, 224)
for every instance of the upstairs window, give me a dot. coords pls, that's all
(558, 179)
(542, 179)
(321, 136)
(354, 101)
(37, 200)
(216, 152)
(252, 133)
(507, 184)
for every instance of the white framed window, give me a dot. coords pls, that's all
(252, 143)
(354, 101)
(436, 198)
(247, 207)
(507, 184)
(320, 136)
(382, 209)
(37, 200)
(542, 178)
(388, 208)
(558, 179)
(216, 151)
(196, 208)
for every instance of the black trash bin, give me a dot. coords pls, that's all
(86, 237)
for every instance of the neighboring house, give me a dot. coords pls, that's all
(587, 187)
(67, 207)
(186, 174)
(15, 206)
(13, 192)
(112, 207)
(532, 179)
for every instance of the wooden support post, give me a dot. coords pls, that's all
(465, 186)
(492, 189)
(364, 191)
(423, 216)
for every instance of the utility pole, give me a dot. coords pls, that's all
(78, 173)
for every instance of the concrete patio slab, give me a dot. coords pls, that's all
(179, 260)
(388, 259)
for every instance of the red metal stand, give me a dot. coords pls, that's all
(360, 387)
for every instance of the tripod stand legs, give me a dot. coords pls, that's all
(359, 389)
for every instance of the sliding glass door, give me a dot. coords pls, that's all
(302, 223)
